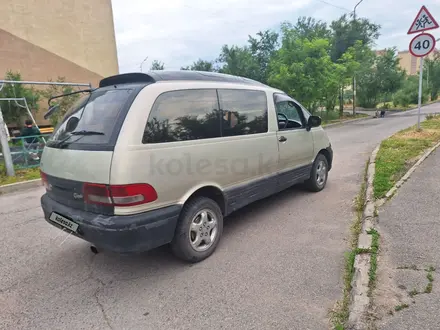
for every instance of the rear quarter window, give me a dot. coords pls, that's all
(183, 115)
(243, 111)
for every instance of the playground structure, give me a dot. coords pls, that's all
(22, 153)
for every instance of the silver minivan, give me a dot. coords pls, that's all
(146, 160)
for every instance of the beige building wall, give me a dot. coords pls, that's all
(410, 63)
(47, 39)
(81, 31)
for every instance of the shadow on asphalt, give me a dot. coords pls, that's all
(161, 260)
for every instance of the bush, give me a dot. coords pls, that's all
(401, 98)
(409, 93)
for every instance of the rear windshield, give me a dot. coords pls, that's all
(92, 119)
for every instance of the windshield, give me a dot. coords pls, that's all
(95, 114)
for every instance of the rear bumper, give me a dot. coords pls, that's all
(121, 234)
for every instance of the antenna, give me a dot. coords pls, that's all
(140, 66)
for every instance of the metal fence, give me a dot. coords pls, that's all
(26, 150)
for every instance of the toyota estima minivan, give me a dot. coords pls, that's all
(150, 159)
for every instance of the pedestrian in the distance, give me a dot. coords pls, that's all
(31, 143)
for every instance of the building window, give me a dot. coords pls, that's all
(243, 112)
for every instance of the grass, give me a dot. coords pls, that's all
(413, 292)
(430, 278)
(372, 274)
(339, 315)
(400, 307)
(402, 150)
(20, 175)
(391, 106)
(332, 117)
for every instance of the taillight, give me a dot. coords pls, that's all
(119, 195)
(44, 180)
(96, 194)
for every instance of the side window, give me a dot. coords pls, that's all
(290, 114)
(243, 112)
(183, 115)
(306, 114)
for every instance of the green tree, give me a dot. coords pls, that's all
(64, 103)
(262, 48)
(302, 68)
(409, 92)
(252, 60)
(238, 61)
(380, 80)
(432, 74)
(351, 63)
(347, 32)
(309, 28)
(390, 75)
(200, 65)
(157, 65)
(13, 113)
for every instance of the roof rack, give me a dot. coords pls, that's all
(162, 75)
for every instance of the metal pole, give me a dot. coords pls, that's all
(5, 148)
(44, 83)
(354, 77)
(420, 92)
(12, 99)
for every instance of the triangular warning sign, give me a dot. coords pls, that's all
(424, 21)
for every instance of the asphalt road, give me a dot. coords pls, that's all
(278, 266)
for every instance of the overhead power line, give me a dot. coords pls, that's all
(330, 4)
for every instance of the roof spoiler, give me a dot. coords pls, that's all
(126, 78)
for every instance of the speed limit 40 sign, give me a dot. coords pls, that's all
(422, 44)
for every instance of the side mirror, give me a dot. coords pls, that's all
(314, 121)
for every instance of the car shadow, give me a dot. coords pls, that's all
(74, 265)
(233, 223)
(111, 267)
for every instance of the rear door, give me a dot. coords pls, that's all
(295, 142)
(81, 148)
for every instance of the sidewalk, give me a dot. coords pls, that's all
(409, 226)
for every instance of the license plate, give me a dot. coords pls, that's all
(66, 223)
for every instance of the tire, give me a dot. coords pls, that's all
(317, 183)
(194, 230)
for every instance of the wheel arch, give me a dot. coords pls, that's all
(212, 192)
(328, 156)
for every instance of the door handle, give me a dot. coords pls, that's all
(282, 139)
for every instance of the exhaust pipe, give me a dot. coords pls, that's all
(94, 249)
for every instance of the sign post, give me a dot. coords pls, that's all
(419, 106)
(421, 45)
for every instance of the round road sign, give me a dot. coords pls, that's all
(422, 44)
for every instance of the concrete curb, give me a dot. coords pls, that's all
(347, 122)
(360, 301)
(407, 175)
(19, 186)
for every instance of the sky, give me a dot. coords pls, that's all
(179, 32)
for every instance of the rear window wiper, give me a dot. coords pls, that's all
(63, 143)
(84, 132)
